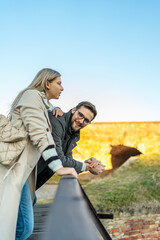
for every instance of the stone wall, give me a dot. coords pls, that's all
(134, 228)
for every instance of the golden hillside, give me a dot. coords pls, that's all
(96, 139)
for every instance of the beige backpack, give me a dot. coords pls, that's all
(12, 141)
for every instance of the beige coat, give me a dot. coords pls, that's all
(31, 112)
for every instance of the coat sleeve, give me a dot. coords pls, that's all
(57, 133)
(32, 112)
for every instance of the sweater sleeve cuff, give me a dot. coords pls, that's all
(83, 167)
(51, 158)
(55, 165)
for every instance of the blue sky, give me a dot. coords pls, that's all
(108, 52)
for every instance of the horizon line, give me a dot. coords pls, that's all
(126, 122)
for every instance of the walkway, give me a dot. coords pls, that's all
(45, 193)
(40, 214)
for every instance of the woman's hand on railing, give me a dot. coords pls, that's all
(67, 171)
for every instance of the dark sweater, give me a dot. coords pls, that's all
(65, 140)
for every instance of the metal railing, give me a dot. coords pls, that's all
(72, 216)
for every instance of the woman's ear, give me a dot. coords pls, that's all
(47, 85)
(73, 110)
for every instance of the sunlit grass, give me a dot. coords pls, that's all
(131, 189)
(44, 201)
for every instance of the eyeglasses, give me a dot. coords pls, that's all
(81, 116)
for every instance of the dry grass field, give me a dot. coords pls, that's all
(97, 138)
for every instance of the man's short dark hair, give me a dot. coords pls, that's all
(88, 105)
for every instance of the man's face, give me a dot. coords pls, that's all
(81, 117)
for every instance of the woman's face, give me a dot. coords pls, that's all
(54, 88)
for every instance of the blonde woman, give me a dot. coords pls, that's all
(29, 110)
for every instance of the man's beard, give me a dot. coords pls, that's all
(80, 126)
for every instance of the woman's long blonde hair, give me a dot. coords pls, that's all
(38, 83)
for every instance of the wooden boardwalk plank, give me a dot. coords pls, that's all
(40, 217)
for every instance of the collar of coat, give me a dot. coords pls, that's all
(68, 117)
(48, 105)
